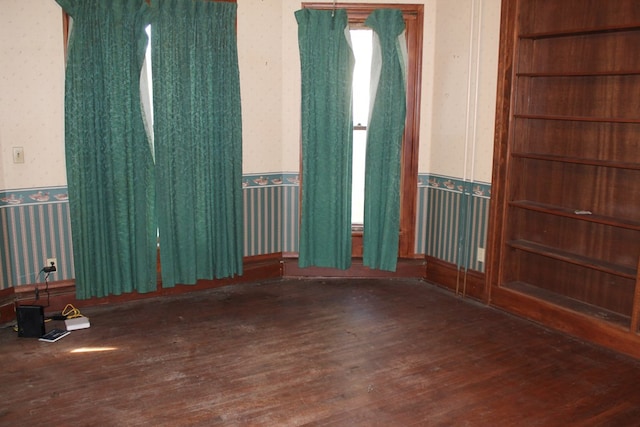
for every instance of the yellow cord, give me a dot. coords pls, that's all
(70, 311)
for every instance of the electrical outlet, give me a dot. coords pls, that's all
(51, 265)
(480, 255)
(18, 155)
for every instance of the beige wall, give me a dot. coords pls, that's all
(458, 88)
(463, 75)
(460, 50)
(31, 93)
(260, 60)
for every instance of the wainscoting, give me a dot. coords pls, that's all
(451, 224)
(452, 220)
(271, 205)
(35, 225)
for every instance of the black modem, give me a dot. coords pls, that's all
(30, 321)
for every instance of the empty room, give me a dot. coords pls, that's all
(286, 213)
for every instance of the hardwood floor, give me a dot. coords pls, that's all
(341, 352)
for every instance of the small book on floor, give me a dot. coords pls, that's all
(54, 335)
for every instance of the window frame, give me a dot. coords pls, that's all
(413, 15)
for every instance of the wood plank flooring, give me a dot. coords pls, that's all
(335, 352)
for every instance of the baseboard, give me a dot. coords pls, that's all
(585, 327)
(54, 297)
(7, 306)
(255, 269)
(59, 294)
(469, 283)
(406, 268)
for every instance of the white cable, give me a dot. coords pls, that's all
(475, 28)
(467, 112)
(477, 92)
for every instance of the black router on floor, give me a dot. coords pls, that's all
(30, 321)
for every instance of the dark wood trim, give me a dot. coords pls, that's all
(54, 298)
(409, 177)
(609, 335)
(61, 293)
(356, 244)
(359, 12)
(256, 269)
(53, 286)
(498, 205)
(7, 305)
(635, 313)
(469, 283)
(65, 33)
(406, 268)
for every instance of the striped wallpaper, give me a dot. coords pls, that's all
(271, 215)
(451, 224)
(34, 225)
(452, 220)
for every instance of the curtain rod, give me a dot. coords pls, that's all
(407, 9)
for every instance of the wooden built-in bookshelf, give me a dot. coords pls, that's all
(565, 215)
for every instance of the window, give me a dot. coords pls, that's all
(361, 42)
(413, 17)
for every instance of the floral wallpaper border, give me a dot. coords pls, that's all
(270, 179)
(31, 196)
(456, 185)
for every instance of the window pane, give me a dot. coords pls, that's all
(146, 90)
(357, 197)
(361, 41)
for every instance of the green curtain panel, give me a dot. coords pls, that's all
(327, 64)
(384, 140)
(109, 161)
(198, 139)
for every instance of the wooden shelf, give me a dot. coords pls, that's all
(568, 303)
(580, 32)
(572, 258)
(576, 118)
(580, 73)
(564, 220)
(578, 161)
(571, 213)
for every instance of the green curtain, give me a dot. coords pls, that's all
(109, 161)
(198, 139)
(384, 140)
(326, 63)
